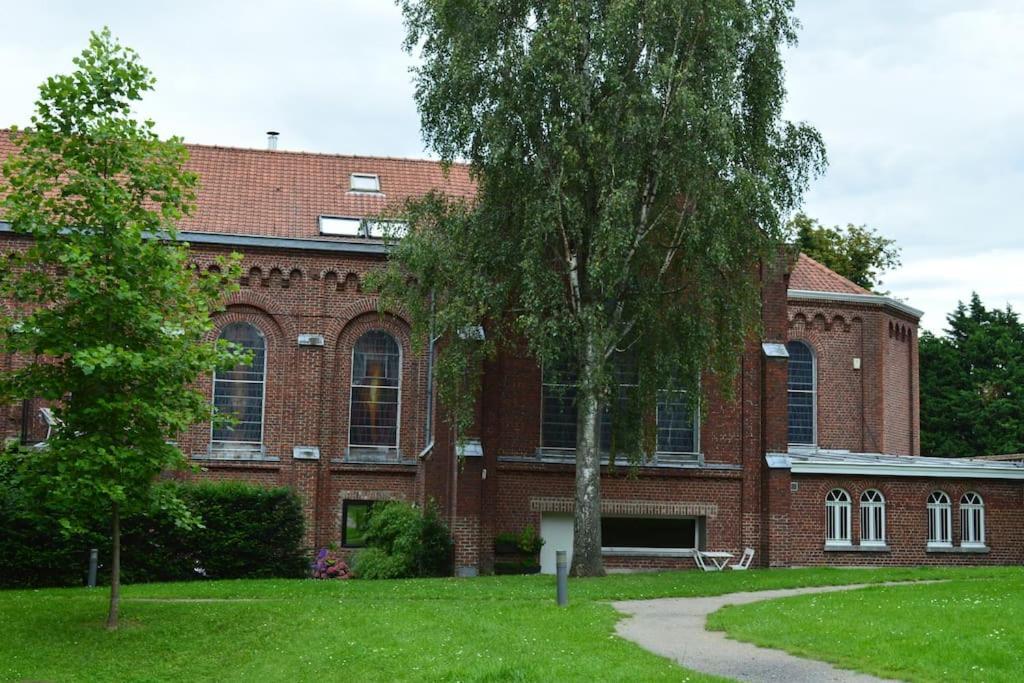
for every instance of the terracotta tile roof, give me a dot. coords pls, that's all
(283, 194)
(812, 276)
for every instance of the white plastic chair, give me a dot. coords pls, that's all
(745, 560)
(698, 558)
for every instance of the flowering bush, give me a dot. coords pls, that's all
(329, 566)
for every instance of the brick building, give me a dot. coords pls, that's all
(815, 460)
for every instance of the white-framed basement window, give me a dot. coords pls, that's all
(837, 517)
(940, 520)
(240, 393)
(972, 520)
(872, 518)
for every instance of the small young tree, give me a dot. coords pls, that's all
(113, 321)
(632, 169)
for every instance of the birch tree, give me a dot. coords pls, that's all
(632, 169)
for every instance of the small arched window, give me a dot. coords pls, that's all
(939, 520)
(802, 394)
(837, 517)
(872, 518)
(376, 379)
(972, 520)
(239, 393)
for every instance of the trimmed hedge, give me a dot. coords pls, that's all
(248, 532)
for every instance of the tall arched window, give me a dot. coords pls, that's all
(376, 376)
(802, 389)
(872, 518)
(837, 517)
(239, 393)
(939, 519)
(972, 520)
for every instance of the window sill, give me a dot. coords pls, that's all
(568, 455)
(960, 550)
(236, 457)
(647, 552)
(836, 548)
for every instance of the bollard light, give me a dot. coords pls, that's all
(562, 574)
(94, 557)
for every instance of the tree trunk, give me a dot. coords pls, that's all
(115, 570)
(586, 546)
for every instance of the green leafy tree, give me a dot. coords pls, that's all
(114, 322)
(856, 252)
(631, 168)
(972, 383)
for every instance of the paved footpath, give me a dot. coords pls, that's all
(676, 628)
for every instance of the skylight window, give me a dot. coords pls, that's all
(364, 182)
(333, 225)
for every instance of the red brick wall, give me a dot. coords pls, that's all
(874, 409)
(906, 521)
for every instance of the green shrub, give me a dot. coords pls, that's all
(248, 532)
(403, 542)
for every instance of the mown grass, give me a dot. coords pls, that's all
(486, 629)
(962, 630)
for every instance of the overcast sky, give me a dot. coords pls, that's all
(921, 103)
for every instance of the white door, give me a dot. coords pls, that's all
(556, 530)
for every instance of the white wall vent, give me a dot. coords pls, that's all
(306, 452)
(311, 339)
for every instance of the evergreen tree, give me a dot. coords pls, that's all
(972, 383)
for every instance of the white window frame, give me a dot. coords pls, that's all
(872, 518)
(352, 385)
(364, 176)
(940, 518)
(972, 520)
(813, 391)
(837, 518)
(227, 447)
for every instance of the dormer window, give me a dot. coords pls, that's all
(364, 182)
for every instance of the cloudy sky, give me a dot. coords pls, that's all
(921, 103)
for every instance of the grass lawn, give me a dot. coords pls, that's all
(486, 629)
(964, 630)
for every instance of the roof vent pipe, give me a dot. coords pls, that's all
(272, 139)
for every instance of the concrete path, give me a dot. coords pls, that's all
(675, 628)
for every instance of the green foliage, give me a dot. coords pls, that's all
(632, 168)
(247, 532)
(856, 252)
(402, 542)
(972, 383)
(115, 323)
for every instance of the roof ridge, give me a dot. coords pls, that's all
(335, 155)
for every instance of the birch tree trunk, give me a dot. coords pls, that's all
(586, 547)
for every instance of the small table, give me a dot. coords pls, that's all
(719, 558)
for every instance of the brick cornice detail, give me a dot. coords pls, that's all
(631, 508)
